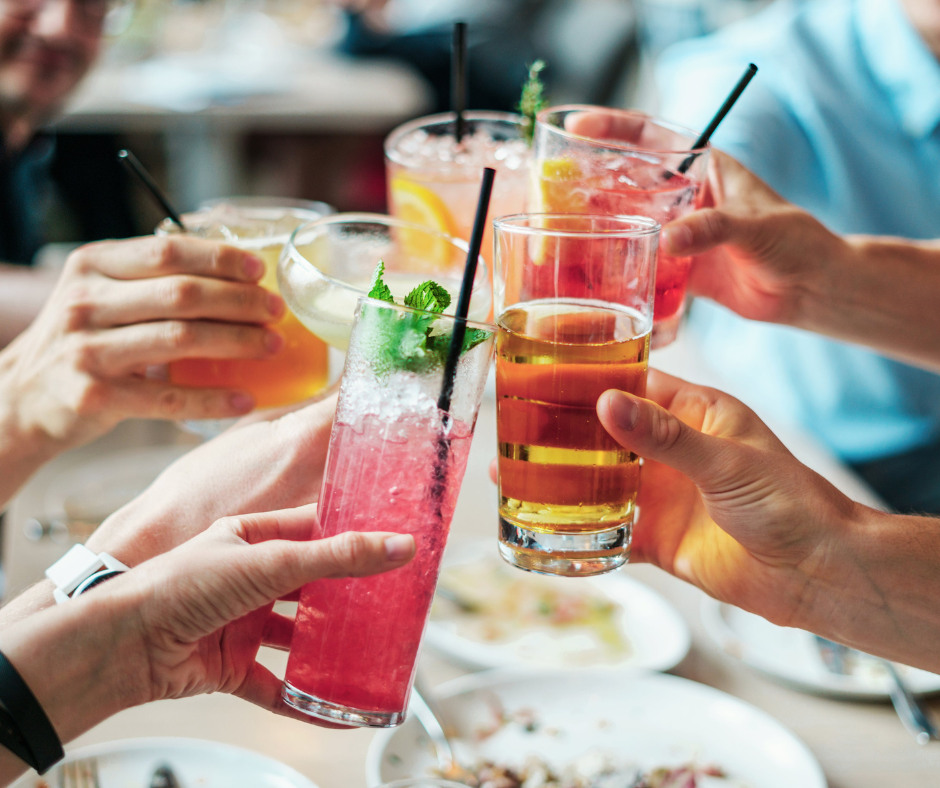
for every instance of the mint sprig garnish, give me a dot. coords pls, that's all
(411, 341)
(533, 100)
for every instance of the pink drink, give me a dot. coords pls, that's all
(356, 640)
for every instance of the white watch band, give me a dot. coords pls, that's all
(79, 569)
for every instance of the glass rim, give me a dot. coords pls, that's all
(443, 117)
(613, 144)
(291, 250)
(265, 201)
(378, 302)
(638, 226)
(313, 210)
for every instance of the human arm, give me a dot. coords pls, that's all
(118, 308)
(23, 291)
(768, 260)
(186, 623)
(725, 506)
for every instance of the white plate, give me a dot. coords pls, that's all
(790, 655)
(644, 718)
(130, 763)
(657, 635)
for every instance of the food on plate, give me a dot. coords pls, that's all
(552, 619)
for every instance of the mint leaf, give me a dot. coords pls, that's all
(429, 297)
(474, 337)
(379, 290)
(532, 100)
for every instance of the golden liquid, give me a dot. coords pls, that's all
(559, 470)
(299, 370)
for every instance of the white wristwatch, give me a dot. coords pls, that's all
(80, 569)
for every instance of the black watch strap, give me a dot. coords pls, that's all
(25, 729)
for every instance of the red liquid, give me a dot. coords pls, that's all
(356, 640)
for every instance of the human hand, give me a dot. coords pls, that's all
(119, 307)
(188, 622)
(754, 252)
(725, 506)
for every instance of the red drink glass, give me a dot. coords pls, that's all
(395, 463)
(595, 160)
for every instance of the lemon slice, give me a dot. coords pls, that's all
(556, 190)
(418, 204)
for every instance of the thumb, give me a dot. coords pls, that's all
(703, 230)
(653, 432)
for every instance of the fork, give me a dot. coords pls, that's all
(82, 773)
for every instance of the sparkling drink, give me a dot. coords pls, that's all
(567, 490)
(300, 369)
(395, 463)
(435, 182)
(631, 167)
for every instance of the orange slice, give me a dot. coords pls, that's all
(418, 204)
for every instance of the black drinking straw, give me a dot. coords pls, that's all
(135, 168)
(466, 288)
(458, 78)
(706, 135)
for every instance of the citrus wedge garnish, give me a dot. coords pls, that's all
(418, 204)
(556, 190)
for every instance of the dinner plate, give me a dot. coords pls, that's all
(653, 634)
(196, 763)
(792, 657)
(641, 718)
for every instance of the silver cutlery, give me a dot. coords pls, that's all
(428, 713)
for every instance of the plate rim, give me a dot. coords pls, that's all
(491, 678)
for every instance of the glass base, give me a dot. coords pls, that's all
(570, 555)
(336, 712)
(666, 331)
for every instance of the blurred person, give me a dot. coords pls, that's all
(843, 121)
(46, 48)
(186, 623)
(119, 308)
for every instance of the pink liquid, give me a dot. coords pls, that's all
(356, 640)
(616, 185)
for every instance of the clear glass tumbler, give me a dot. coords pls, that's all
(395, 463)
(595, 160)
(567, 490)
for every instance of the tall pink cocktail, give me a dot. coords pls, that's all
(595, 160)
(395, 463)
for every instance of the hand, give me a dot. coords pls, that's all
(121, 306)
(190, 621)
(725, 506)
(754, 252)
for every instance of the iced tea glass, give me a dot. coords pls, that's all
(618, 162)
(395, 463)
(567, 490)
(435, 182)
(328, 264)
(301, 368)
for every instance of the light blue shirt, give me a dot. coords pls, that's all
(842, 119)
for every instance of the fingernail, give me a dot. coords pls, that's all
(254, 267)
(624, 410)
(273, 342)
(676, 239)
(276, 305)
(398, 547)
(242, 402)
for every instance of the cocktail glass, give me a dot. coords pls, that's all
(395, 463)
(301, 368)
(618, 162)
(328, 264)
(567, 490)
(434, 182)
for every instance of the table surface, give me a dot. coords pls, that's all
(860, 745)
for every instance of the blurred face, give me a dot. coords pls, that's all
(46, 47)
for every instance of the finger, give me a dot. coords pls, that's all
(300, 524)
(703, 230)
(184, 298)
(277, 631)
(153, 399)
(606, 125)
(146, 258)
(262, 688)
(117, 351)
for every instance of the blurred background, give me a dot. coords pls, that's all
(294, 97)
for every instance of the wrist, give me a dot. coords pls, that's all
(828, 287)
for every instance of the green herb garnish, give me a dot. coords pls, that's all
(410, 341)
(532, 100)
